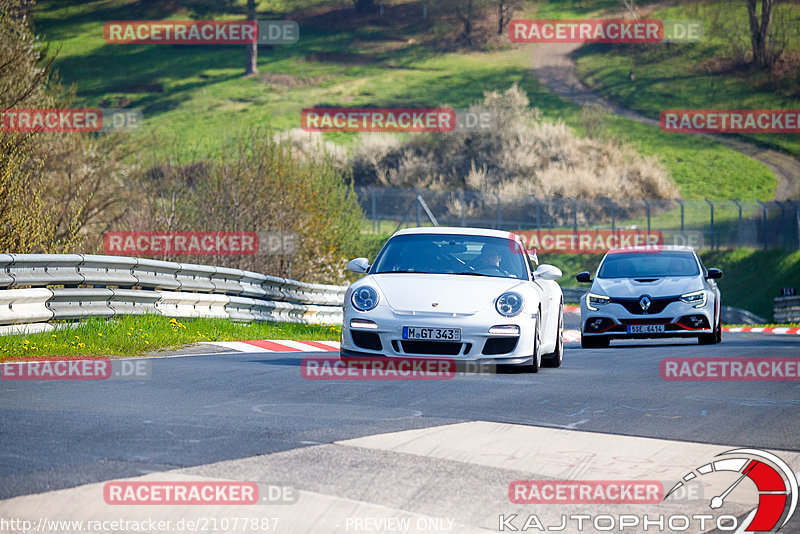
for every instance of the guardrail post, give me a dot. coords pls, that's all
(764, 221)
(647, 207)
(538, 213)
(497, 222)
(712, 224)
(679, 201)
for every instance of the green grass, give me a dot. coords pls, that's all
(141, 334)
(195, 99)
(681, 76)
(752, 279)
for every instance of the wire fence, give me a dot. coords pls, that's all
(703, 224)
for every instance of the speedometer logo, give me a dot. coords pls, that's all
(773, 478)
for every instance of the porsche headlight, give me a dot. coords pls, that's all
(593, 301)
(364, 298)
(696, 298)
(509, 304)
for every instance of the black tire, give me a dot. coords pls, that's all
(595, 342)
(712, 338)
(537, 356)
(556, 358)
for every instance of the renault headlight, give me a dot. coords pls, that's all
(593, 301)
(364, 298)
(509, 304)
(696, 298)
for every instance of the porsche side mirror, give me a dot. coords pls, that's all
(547, 272)
(358, 265)
(714, 273)
(584, 277)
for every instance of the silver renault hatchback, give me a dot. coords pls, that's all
(650, 292)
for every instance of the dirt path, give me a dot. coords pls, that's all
(554, 67)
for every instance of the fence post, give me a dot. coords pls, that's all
(739, 231)
(712, 224)
(764, 221)
(538, 214)
(574, 215)
(783, 223)
(497, 224)
(679, 201)
(647, 207)
(372, 193)
(416, 202)
(797, 218)
(613, 215)
(461, 212)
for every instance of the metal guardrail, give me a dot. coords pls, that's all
(787, 309)
(36, 288)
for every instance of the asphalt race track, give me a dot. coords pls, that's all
(353, 441)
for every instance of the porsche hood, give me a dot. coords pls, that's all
(441, 293)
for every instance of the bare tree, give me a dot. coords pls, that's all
(505, 11)
(759, 32)
(466, 13)
(251, 62)
(630, 5)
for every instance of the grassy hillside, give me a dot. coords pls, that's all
(195, 98)
(699, 75)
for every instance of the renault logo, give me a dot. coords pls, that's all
(644, 303)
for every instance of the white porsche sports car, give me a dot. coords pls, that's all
(470, 294)
(650, 293)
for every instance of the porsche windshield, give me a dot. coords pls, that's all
(452, 254)
(649, 265)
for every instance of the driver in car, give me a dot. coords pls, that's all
(489, 261)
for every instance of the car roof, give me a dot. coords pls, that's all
(651, 249)
(456, 230)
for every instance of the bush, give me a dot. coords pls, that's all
(259, 184)
(522, 154)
